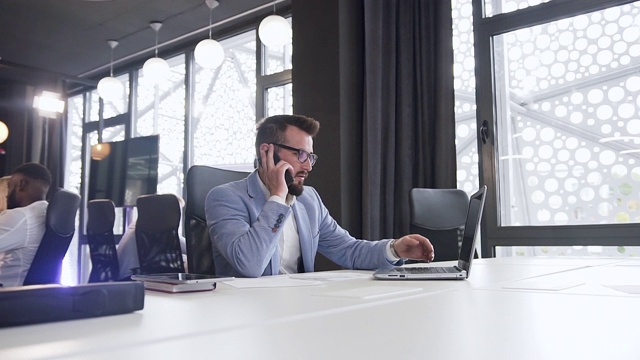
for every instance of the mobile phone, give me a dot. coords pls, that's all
(287, 175)
(181, 278)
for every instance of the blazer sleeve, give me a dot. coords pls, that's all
(245, 236)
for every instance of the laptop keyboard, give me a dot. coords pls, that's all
(432, 270)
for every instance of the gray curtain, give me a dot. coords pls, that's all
(408, 109)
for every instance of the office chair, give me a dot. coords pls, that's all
(60, 225)
(439, 215)
(157, 237)
(199, 181)
(102, 245)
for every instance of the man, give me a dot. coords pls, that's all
(22, 225)
(262, 226)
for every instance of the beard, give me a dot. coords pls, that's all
(12, 202)
(296, 188)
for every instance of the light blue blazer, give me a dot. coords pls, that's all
(244, 229)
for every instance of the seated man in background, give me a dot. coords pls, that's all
(22, 225)
(128, 249)
(266, 225)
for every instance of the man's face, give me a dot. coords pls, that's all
(12, 195)
(296, 138)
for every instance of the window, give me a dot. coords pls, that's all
(224, 115)
(563, 149)
(161, 111)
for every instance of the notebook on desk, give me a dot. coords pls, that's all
(457, 272)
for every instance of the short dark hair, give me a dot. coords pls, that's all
(34, 171)
(271, 129)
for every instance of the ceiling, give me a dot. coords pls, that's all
(68, 38)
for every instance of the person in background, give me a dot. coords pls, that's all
(22, 225)
(128, 249)
(4, 191)
(269, 225)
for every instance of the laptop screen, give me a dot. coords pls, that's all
(474, 215)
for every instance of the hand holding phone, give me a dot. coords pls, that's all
(288, 178)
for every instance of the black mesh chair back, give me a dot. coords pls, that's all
(157, 237)
(102, 245)
(199, 181)
(439, 215)
(60, 226)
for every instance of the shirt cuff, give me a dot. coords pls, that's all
(277, 199)
(389, 254)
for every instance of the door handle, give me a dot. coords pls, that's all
(484, 132)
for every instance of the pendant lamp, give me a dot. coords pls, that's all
(209, 53)
(156, 70)
(4, 132)
(274, 30)
(110, 88)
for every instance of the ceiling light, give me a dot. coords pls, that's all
(209, 53)
(156, 70)
(100, 151)
(110, 88)
(4, 132)
(49, 104)
(274, 30)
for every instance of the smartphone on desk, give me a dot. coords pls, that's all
(181, 278)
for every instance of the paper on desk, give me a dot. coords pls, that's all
(329, 276)
(629, 263)
(629, 289)
(370, 292)
(542, 284)
(270, 282)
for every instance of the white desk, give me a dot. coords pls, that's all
(478, 317)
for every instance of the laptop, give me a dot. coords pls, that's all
(457, 272)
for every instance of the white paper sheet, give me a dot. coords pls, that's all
(542, 284)
(370, 292)
(629, 289)
(329, 276)
(270, 282)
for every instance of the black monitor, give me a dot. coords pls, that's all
(123, 170)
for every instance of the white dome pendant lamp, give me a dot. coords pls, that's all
(156, 70)
(209, 53)
(274, 30)
(110, 88)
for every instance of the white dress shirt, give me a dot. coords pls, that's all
(289, 242)
(21, 230)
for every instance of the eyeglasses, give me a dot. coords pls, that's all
(303, 155)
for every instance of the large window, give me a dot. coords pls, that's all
(161, 111)
(224, 115)
(559, 101)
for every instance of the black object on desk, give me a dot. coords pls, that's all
(48, 303)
